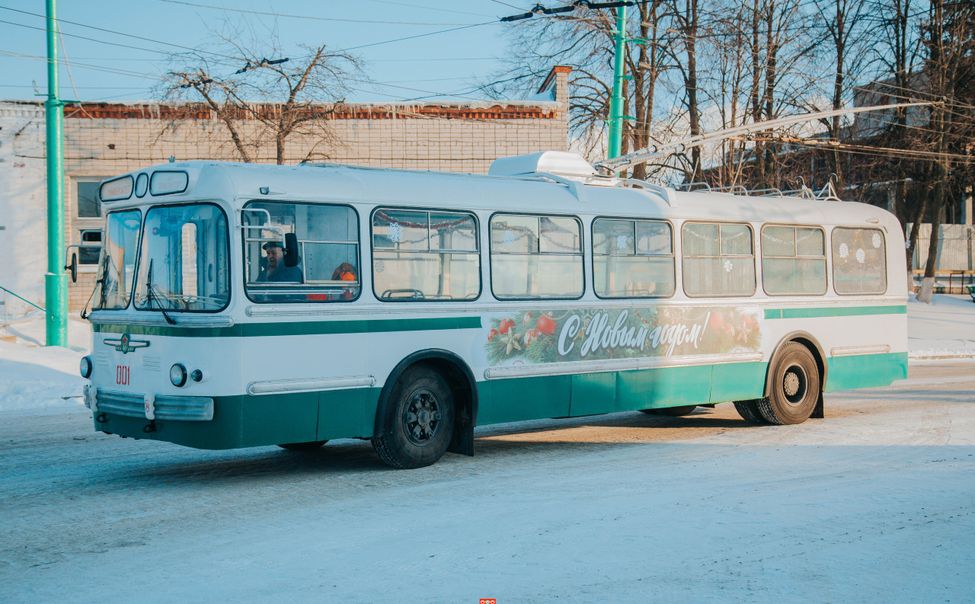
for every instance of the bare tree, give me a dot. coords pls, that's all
(841, 21)
(263, 97)
(950, 67)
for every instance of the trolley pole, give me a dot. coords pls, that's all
(616, 102)
(55, 281)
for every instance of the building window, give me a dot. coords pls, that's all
(793, 260)
(536, 257)
(632, 258)
(859, 261)
(420, 255)
(87, 203)
(718, 259)
(90, 247)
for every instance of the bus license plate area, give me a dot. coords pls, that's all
(123, 375)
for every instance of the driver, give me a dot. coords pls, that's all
(275, 270)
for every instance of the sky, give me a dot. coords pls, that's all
(437, 66)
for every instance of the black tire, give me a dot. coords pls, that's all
(672, 411)
(794, 387)
(416, 420)
(308, 446)
(748, 410)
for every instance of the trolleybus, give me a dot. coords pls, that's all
(243, 305)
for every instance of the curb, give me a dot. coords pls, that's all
(941, 357)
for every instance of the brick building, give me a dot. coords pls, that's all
(104, 139)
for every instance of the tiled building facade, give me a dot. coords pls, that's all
(101, 140)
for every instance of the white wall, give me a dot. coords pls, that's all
(23, 207)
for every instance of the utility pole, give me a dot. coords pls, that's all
(616, 116)
(616, 102)
(55, 281)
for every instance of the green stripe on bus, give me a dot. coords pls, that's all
(841, 311)
(865, 370)
(243, 421)
(295, 328)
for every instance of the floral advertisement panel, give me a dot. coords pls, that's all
(602, 333)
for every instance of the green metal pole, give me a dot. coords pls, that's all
(616, 102)
(55, 281)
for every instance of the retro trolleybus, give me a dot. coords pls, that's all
(243, 305)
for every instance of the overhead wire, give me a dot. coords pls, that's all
(117, 33)
(118, 44)
(438, 9)
(112, 70)
(305, 17)
(234, 60)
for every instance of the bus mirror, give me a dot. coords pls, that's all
(290, 249)
(72, 267)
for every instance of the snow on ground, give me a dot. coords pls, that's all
(944, 328)
(871, 504)
(35, 379)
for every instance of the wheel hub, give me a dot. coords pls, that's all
(791, 384)
(794, 384)
(422, 417)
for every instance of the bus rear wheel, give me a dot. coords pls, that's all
(416, 420)
(748, 410)
(308, 446)
(794, 387)
(672, 411)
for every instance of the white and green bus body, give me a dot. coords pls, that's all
(312, 367)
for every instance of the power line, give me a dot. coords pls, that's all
(425, 7)
(118, 33)
(506, 4)
(432, 33)
(304, 17)
(112, 70)
(79, 87)
(118, 44)
(539, 9)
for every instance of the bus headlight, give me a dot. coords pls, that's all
(86, 367)
(177, 375)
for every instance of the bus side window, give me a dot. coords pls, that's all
(632, 258)
(793, 260)
(718, 259)
(423, 255)
(859, 261)
(328, 252)
(536, 257)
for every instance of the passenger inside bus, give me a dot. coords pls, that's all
(275, 270)
(346, 272)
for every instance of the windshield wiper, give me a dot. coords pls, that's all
(151, 297)
(101, 285)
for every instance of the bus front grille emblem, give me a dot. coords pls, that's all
(126, 344)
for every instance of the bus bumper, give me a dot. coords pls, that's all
(231, 422)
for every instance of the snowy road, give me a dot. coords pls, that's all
(875, 503)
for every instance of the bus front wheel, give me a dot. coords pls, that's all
(794, 387)
(416, 420)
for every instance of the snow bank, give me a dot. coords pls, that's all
(39, 380)
(943, 329)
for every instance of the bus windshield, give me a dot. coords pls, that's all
(117, 265)
(184, 261)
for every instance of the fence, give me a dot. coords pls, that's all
(956, 251)
(955, 266)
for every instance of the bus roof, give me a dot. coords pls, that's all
(239, 183)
